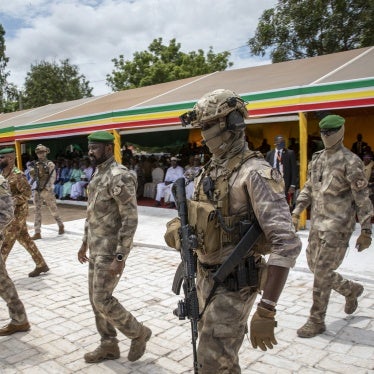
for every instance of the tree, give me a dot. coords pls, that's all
(3, 73)
(297, 29)
(49, 83)
(163, 64)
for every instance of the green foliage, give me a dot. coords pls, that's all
(163, 64)
(3, 73)
(297, 29)
(49, 83)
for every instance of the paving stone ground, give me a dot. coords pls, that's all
(63, 327)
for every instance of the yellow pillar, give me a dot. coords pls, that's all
(18, 155)
(303, 144)
(117, 147)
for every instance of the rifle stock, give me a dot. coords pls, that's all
(189, 307)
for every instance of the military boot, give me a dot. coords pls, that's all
(36, 236)
(106, 351)
(138, 344)
(311, 329)
(351, 302)
(38, 270)
(61, 229)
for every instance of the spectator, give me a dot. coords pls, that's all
(78, 189)
(172, 174)
(284, 161)
(359, 146)
(74, 176)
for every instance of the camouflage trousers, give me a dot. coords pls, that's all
(9, 294)
(325, 253)
(222, 327)
(50, 200)
(17, 230)
(109, 313)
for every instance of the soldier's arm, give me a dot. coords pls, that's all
(6, 204)
(123, 190)
(24, 189)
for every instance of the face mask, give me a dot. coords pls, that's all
(281, 145)
(217, 141)
(333, 139)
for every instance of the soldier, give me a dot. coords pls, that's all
(336, 189)
(233, 188)
(17, 230)
(44, 174)
(110, 226)
(8, 291)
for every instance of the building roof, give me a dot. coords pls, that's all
(339, 80)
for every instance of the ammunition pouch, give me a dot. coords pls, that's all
(246, 274)
(212, 231)
(203, 219)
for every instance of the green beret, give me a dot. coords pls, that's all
(5, 151)
(331, 121)
(101, 137)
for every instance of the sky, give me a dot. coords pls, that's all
(90, 33)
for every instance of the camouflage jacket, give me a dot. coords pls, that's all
(264, 187)
(112, 215)
(44, 174)
(6, 204)
(336, 189)
(21, 192)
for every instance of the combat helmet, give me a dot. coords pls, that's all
(41, 148)
(214, 105)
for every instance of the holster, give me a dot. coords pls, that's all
(246, 274)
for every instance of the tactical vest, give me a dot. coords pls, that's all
(42, 174)
(209, 214)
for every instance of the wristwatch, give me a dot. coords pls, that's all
(119, 257)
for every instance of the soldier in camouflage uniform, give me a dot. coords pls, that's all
(244, 186)
(8, 291)
(44, 174)
(336, 189)
(17, 230)
(110, 226)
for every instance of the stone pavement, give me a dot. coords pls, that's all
(63, 326)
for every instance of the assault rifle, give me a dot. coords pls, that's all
(186, 272)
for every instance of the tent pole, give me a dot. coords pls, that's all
(303, 144)
(117, 146)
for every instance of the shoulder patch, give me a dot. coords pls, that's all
(271, 173)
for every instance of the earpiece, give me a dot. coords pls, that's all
(235, 121)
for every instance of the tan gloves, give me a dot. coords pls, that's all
(364, 240)
(295, 221)
(262, 329)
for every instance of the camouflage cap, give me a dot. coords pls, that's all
(331, 121)
(100, 137)
(6, 151)
(41, 148)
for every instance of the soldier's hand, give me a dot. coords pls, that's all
(262, 329)
(364, 240)
(82, 253)
(295, 221)
(116, 267)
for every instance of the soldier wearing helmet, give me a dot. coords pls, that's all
(235, 188)
(43, 174)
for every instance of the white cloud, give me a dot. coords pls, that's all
(91, 32)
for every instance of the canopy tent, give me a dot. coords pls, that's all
(330, 82)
